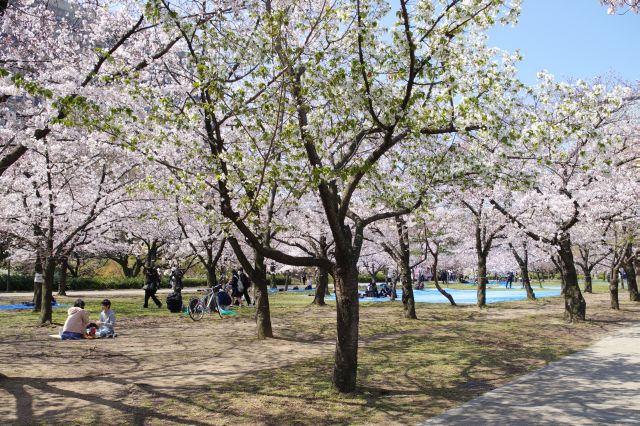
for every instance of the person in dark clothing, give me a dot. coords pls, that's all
(235, 284)
(246, 283)
(151, 285)
(304, 278)
(509, 282)
(443, 276)
(372, 289)
(224, 301)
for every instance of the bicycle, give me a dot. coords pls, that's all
(198, 306)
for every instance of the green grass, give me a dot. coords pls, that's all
(408, 370)
(405, 379)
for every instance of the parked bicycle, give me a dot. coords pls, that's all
(205, 304)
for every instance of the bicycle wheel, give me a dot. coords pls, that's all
(196, 309)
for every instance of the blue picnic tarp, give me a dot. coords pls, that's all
(466, 296)
(24, 306)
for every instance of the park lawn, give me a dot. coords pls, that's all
(418, 370)
(408, 370)
(125, 307)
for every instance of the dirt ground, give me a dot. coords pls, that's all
(160, 359)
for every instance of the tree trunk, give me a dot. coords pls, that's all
(588, 280)
(482, 280)
(321, 287)
(574, 304)
(408, 301)
(632, 281)
(345, 368)
(47, 291)
(524, 270)
(263, 310)
(435, 281)
(211, 275)
(62, 285)
(613, 288)
(523, 263)
(37, 286)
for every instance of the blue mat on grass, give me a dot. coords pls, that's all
(466, 296)
(24, 306)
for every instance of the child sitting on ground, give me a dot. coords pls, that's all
(107, 320)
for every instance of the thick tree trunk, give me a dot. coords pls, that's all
(524, 270)
(345, 368)
(211, 275)
(574, 304)
(321, 287)
(588, 280)
(62, 285)
(47, 291)
(632, 280)
(482, 280)
(37, 286)
(407, 292)
(263, 310)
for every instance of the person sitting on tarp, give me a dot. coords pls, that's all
(372, 290)
(385, 290)
(223, 298)
(107, 320)
(75, 327)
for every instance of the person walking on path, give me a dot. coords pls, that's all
(246, 283)
(151, 285)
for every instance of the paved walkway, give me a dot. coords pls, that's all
(596, 386)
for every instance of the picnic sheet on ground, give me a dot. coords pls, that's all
(24, 306)
(466, 296)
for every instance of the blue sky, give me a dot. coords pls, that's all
(572, 39)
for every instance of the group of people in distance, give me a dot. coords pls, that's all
(79, 326)
(233, 292)
(384, 291)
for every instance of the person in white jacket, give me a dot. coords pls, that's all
(75, 327)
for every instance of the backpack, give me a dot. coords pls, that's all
(174, 302)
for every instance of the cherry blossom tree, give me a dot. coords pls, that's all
(53, 201)
(561, 142)
(59, 56)
(393, 85)
(615, 5)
